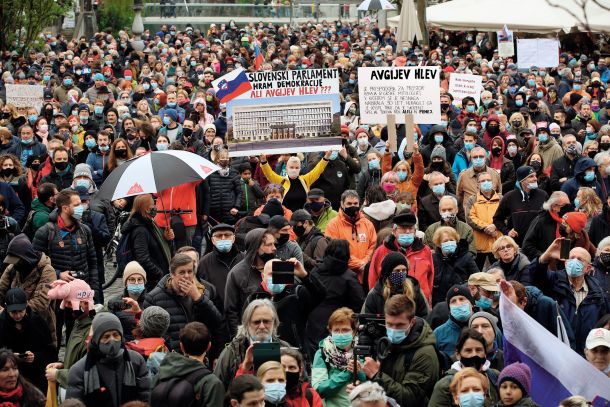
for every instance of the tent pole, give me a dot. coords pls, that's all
(421, 15)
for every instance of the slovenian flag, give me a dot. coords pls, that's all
(258, 56)
(557, 371)
(505, 34)
(232, 85)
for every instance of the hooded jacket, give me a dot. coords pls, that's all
(380, 213)
(429, 144)
(487, 137)
(572, 185)
(375, 302)
(504, 166)
(454, 269)
(41, 214)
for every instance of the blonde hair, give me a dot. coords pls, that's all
(267, 367)
(405, 164)
(438, 235)
(407, 289)
(502, 240)
(464, 374)
(590, 205)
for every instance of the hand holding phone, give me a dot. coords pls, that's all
(282, 272)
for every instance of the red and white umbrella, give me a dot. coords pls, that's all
(154, 172)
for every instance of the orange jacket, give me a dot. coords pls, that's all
(361, 236)
(413, 181)
(180, 197)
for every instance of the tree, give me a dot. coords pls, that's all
(24, 20)
(115, 15)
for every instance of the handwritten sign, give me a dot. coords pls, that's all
(25, 95)
(463, 85)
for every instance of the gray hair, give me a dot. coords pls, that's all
(602, 245)
(367, 392)
(600, 157)
(294, 159)
(448, 197)
(242, 330)
(350, 193)
(555, 196)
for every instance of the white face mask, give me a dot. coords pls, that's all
(363, 141)
(292, 173)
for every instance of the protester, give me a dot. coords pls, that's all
(14, 388)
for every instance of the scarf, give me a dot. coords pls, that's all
(11, 398)
(334, 356)
(92, 382)
(559, 221)
(62, 226)
(164, 246)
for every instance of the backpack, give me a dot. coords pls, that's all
(28, 227)
(124, 253)
(147, 346)
(178, 391)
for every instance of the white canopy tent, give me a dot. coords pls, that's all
(532, 16)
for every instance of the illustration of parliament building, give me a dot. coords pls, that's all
(278, 122)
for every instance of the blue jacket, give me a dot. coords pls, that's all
(591, 309)
(572, 185)
(461, 162)
(12, 203)
(23, 152)
(97, 162)
(447, 336)
(181, 113)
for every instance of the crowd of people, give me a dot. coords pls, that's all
(404, 248)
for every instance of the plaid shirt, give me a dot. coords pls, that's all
(580, 294)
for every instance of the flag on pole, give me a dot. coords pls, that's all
(557, 371)
(258, 56)
(232, 85)
(505, 34)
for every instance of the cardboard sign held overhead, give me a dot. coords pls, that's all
(408, 130)
(391, 123)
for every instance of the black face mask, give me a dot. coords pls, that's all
(299, 230)
(604, 146)
(536, 165)
(7, 172)
(493, 129)
(565, 209)
(187, 133)
(22, 267)
(532, 105)
(35, 167)
(292, 380)
(473, 361)
(437, 165)
(61, 166)
(592, 154)
(496, 151)
(444, 106)
(283, 239)
(265, 257)
(351, 211)
(120, 153)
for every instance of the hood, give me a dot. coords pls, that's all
(493, 118)
(380, 210)
(331, 266)
(582, 164)
(421, 335)
(502, 143)
(132, 223)
(21, 247)
(347, 106)
(176, 365)
(437, 128)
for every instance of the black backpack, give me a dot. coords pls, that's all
(178, 391)
(124, 253)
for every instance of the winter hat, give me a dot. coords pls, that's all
(127, 72)
(576, 221)
(82, 107)
(518, 373)
(199, 101)
(361, 130)
(554, 126)
(133, 267)
(278, 221)
(71, 293)
(99, 77)
(456, 290)
(154, 322)
(83, 170)
(390, 261)
(439, 151)
(172, 114)
(523, 172)
(273, 208)
(482, 314)
(209, 126)
(344, 129)
(574, 98)
(102, 323)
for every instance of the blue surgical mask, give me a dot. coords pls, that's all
(374, 165)
(472, 399)
(135, 289)
(438, 190)
(472, 129)
(402, 175)
(67, 82)
(166, 120)
(90, 142)
(438, 138)
(82, 183)
(46, 78)
(531, 82)
(574, 268)
(224, 246)
(84, 119)
(576, 203)
(275, 392)
(162, 147)
(396, 336)
(519, 102)
(27, 142)
(274, 288)
(539, 94)
(543, 138)
(461, 313)
(78, 212)
(589, 176)
(98, 110)
(333, 155)
(468, 146)
(532, 185)
(342, 340)
(577, 87)
(486, 186)
(171, 105)
(470, 108)
(104, 149)
(449, 247)
(32, 118)
(146, 86)
(406, 239)
(478, 162)
(483, 124)
(484, 303)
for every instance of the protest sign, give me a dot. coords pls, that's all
(462, 85)
(399, 91)
(540, 52)
(506, 45)
(285, 112)
(25, 95)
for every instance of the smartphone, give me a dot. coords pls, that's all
(564, 252)
(264, 352)
(22, 356)
(282, 272)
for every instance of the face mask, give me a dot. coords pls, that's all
(496, 151)
(299, 230)
(90, 143)
(292, 380)
(484, 303)
(389, 188)
(166, 120)
(449, 247)
(171, 105)
(493, 129)
(473, 361)
(438, 190)
(373, 165)
(7, 172)
(478, 162)
(265, 257)
(342, 340)
(135, 289)
(84, 119)
(111, 349)
(292, 173)
(438, 139)
(333, 155)
(604, 146)
(187, 133)
(274, 288)
(574, 268)
(317, 206)
(543, 138)
(363, 141)
(402, 175)
(275, 392)
(589, 176)
(472, 399)
(605, 258)
(44, 127)
(98, 110)
(283, 239)
(483, 125)
(224, 246)
(351, 211)
(61, 166)
(470, 108)
(471, 129)
(32, 118)
(397, 279)
(461, 313)
(539, 95)
(78, 212)
(83, 183)
(396, 336)
(406, 239)
(67, 82)
(486, 186)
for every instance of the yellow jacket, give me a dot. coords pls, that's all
(307, 179)
(481, 215)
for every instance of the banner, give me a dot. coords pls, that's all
(540, 52)
(285, 112)
(399, 91)
(462, 85)
(25, 95)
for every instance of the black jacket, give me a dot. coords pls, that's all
(146, 249)
(600, 226)
(516, 211)
(541, 233)
(335, 178)
(215, 267)
(313, 246)
(221, 194)
(427, 211)
(366, 179)
(61, 181)
(561, 168)
(375, 302)
(451, 270)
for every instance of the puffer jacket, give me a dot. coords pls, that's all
(70, 251)
(572, 185)
(366, 179)
(221, 194)
(183, 310)
(451, 270)
(375, 302)
(480, 216)
(215, 267)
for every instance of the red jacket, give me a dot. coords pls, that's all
(180, 197)
(299, 399)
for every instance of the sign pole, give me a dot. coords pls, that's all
(391, 126)
(409, 132)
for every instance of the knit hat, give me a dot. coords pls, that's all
(71, 293)
(523, 172)
(518, 373)
(574, 98)
(154, 322)
(83, 106)
(133, 267)
(456, 290)
(102, 323)
(83, 170)
(390, 261)
(576, 221)
(439, 151)
(554, 126)
(199, 101)
(361, 130)
(273, 207)
(482, 314)
(98, 77)
(172, 114)
(209, 126)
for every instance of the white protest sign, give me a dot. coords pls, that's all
(540, 52)
(399, 91)
(463, 84)
(506, 46)
(304, 82)
(25, 95)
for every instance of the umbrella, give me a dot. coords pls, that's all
(154, 172)
(408, 25)
(372, 5)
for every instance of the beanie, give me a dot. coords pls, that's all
(518, 373)
(209, 126)
(104, 322)
(439, 151)
(576, 220)
(523, 172)
(82, 170)
(574, 98)
(361, 130)
(273, 207)
(172, 114)
(482, 314)
(154, 322)
(456, 290)
(554, 126)
(390, 261)
(133, 267)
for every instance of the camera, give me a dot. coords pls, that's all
(81, 275)
(117, 305)
(372, 340)
(4, 225)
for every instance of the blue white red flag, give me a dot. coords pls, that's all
(258, 56)
(232, 85)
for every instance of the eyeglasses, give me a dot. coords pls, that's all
(261, 321)
(507, 247)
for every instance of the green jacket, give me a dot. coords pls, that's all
(41, 214)
(464, 231)
(330, 383)
(75, 348)
(209, 387)
(413, 385)
(441, 396)
(328, 214)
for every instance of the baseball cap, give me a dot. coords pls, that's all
(597, 337)
(315, 193)
(16, 300)
(484, 280)
(300, 215)
(11, 259)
